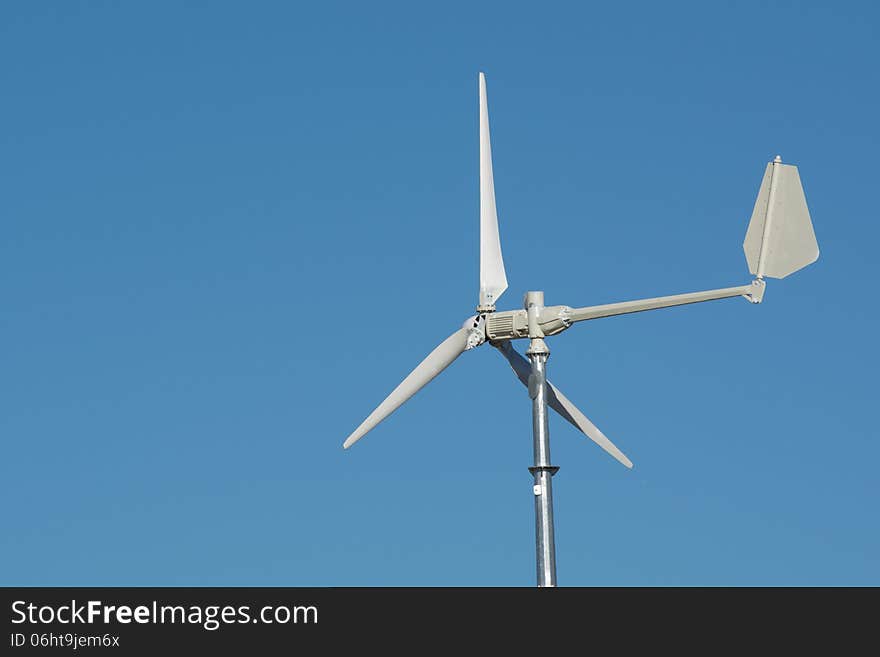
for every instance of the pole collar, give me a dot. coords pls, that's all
(552, 469)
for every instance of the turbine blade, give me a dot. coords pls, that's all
(437, 361)
(561, 404)
(493, 280)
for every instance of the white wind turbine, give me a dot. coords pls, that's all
(778, 242)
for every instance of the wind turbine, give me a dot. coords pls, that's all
(778, 242)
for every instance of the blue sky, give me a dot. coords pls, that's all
(230, 229)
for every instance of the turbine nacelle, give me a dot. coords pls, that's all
(504, 325)
(514, 324)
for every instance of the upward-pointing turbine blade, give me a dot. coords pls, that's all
(561, 404)
(437, 361)
(493, 280)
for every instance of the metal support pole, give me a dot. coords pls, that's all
(542, 471)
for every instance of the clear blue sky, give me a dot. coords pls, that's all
(230, 229)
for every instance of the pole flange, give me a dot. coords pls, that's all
(552, 469)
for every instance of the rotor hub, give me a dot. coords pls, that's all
(476, 326)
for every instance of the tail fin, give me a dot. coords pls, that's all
(780, 238)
